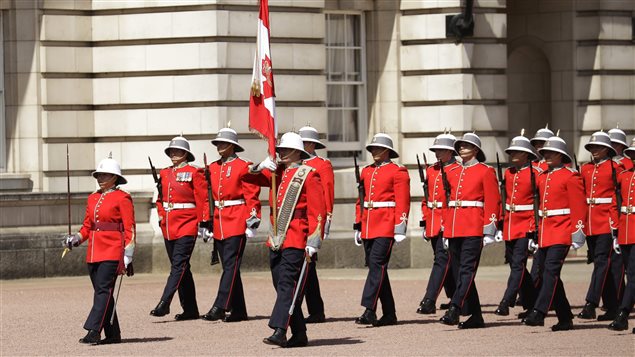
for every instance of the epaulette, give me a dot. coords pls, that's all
(618, 159)
(571, 169)
(537, 168)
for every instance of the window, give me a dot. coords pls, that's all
(3, 134)
(345, 85)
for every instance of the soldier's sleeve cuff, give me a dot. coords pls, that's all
(578, 236)
(489, 229)
(315, 239)
(400, 228)
(357, 226)
(129, 251)
(253, 222)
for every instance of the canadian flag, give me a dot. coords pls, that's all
(262, 101)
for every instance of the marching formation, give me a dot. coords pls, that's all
(542, 205)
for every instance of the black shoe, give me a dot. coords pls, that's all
(109, 340)
(236, 317)
(610, 315)
(427, 307)
(588, 312)
(620, 323)
(91, 338)
(523, 314)
(473, 322)
(534, 318)
(162, 309)
(298, 340)
(451, 316)
(563, 326)
(368, 318)
(313, 319)
(215, 313)
(279, 338)
(444, 306)
(187, 315)
(503, 308)
(386, 320)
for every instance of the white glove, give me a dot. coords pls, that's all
(532, 246)
(251, 232)
(446, 244)
(488, 239)
(327, 227)
(576, 245)
(399, 237)
(203, 233)
(72, 240)
(358, 238)
(311, 250)
(499, 236)
(127, 259)
(616, 247)
(268, 164)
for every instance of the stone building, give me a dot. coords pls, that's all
(126, 76)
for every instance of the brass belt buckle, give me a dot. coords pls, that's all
(370, 205)
(170, 205)
(221, 203)
(512, 207)
(545, 212)
(459, 203)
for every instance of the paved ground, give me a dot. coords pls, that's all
(45, 317)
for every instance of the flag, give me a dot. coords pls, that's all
(262, 103)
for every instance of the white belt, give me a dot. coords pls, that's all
(434, 204)
(518, 208)
(372, 204)
(554, 212)
(170, 206)
(627, 209)
(599, 200)
(228, 203)
(460, 203)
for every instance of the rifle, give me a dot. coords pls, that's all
(503, 191)
(360, 191)
(424, 181)
(157, 181)
(446, 184)
(618, 189)
(534, 192)
(575, 162)
(210, 199)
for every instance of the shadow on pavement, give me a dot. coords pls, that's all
(334, 341)
(146, 339)
(338, 319)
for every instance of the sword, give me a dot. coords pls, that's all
(297, 288)
(114, 306)
(68, 199)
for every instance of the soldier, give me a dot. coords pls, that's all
(562, 212)
(236, 218)
(380, 221)
(538, 141)
(618, 141)
(469, 224)
(298, 234)
(519, 224)
(324, 169)
(183, 217)
(109, 227)
(602, 221)
(441, 273)
(626, 240)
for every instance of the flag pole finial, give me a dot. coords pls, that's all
(522, 132)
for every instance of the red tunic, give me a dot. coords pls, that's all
(309, 214)
(626, 230)
(384, 184)
(227, 186)
(540, 165)
(182, 186)
(561, 188)
(109, 225)
(324, 168)
(519, 216)
(626, 163)
(433, 212)
(598, 185)
(472, 182)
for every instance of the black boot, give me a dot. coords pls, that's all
(187, 315)
(162, 309)
(475, 321)
(610, 315)
(298, 340)
(368, 318)
(113, 335)
(427, 307)
(444, 306)
(534, 318)
(451, 316)
(279, 338)
(503, 308)
(313, 319)
(215, 313)
(621, 322)
(236, 317)
(91, 338)
(588, 311)
(386, 320)
(564, 325)
(523, 314)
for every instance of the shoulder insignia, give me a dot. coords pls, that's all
(571, 169)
